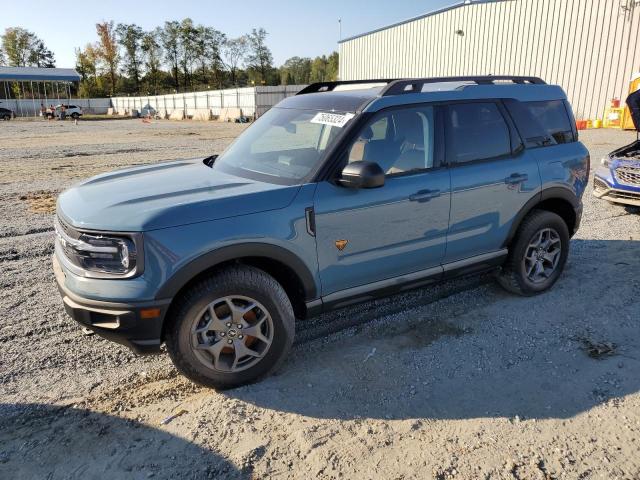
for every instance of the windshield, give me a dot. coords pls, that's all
(283, 146)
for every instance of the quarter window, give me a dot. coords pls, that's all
(552, 115)
(476, 131)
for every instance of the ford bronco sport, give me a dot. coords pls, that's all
(344, 192)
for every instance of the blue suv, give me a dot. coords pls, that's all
(342, 193)
(618, 178)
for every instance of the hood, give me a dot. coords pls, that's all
(166, 195)
(633, 102)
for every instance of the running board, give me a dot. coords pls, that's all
(391, 286)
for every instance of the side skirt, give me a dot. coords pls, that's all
(391, 286)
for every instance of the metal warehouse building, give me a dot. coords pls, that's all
(589, 47)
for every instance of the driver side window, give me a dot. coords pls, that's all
(400, 141)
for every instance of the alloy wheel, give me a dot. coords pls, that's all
(232, 333)
(542, 255)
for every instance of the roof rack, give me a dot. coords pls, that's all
(413, 85)
(329, 86)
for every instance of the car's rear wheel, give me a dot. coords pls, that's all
(6, 117)
(537, 254)
(231, 328)
(75, 116)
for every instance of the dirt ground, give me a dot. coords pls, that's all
(456, 381)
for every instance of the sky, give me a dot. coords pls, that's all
(296, 28)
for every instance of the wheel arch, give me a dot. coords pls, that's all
(559, 200)
(282, 264)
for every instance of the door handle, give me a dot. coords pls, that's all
(424, 195)
(516, 178)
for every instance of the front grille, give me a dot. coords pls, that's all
(628, 175)
(625, 195)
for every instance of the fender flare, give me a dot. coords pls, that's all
(232, 252)
(562, 193)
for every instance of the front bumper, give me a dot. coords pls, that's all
(136, 325)
(606, 186)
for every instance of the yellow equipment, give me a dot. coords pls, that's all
(627, 121)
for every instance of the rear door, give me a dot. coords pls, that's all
(492, 177)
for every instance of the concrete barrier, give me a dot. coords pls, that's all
(202, 114)
(177, 115)
(230, 114)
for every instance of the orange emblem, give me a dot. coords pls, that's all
(340, 244)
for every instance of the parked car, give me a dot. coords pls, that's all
(342, 193)
(70, 111)
(6, 114)
(618, 178)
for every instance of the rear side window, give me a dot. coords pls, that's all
(552, 115)
(476, 131)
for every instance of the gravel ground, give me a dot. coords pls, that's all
(456, 381)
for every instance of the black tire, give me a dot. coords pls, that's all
(75, 116)
(6, 117)
(238, 280)
(513, 276)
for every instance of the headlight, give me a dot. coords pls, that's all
(100, 255)
(606, 161)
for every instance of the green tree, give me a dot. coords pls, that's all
(152, 57)
(91, 84)
(107, 50)
(17, 44)
(23, 48)
(260, 59)
(41, 56)
(208, 44)
(170, 38)
(324, 69)
(85, 63)
(319, 69)
(332, 66)
(130, 38)
(296, 71)
(235, 50)
(187, 38)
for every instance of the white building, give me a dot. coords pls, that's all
(589, 47)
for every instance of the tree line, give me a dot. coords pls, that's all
(22, 48)
(178, 56)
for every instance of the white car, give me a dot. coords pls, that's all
(70, 111)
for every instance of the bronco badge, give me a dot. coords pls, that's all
(340, 244)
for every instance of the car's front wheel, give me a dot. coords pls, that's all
(75, 116)
(231, 328)
(537, 254)
(6, 117)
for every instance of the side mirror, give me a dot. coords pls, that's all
(362, 174)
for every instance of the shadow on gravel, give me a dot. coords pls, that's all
(482, 353)
(47, 442)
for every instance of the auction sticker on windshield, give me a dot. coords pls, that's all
(332, 119)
